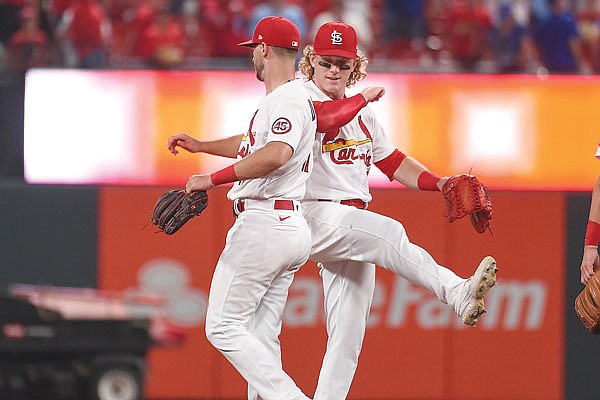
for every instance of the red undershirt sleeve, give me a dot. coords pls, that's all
(390, 164)
(333, 114)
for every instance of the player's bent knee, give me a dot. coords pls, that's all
(223, 335)
(211, 334)
(217, 338)
(214, 330)
(392, 229)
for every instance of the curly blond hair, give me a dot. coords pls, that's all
(358, 73)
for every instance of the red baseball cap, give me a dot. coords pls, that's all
(336, 39)
(275, 31)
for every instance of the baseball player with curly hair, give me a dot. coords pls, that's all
(347, 240)
(269, 180)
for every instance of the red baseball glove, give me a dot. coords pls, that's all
(466, 195)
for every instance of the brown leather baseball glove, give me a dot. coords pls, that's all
(587, 304)
(465, 195)
(176, 207)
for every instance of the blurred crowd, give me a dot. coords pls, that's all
(493, 36)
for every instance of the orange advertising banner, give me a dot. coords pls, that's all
(415, 348)
(515, 131)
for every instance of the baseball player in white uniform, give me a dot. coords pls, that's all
(348, 240)
(270, 239)
(590, 261)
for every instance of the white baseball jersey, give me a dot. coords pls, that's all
(284, 115)
(264, 248)
(348, 242)
(343, 158)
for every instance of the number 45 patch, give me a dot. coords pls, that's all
(281, 125)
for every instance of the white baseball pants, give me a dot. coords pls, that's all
(344, 233)
(250, 284)
(348, 288)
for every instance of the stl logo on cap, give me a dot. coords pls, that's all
(336, 38)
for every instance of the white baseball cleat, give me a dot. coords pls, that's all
(479, 285)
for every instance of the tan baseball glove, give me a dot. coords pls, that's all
(465, 195)
(587, 304)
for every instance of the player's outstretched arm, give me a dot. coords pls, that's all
(259, 163)
(410, 172)
(590, 262)
(333, 114)
(263, 161)
(373, 93)
(227, 147)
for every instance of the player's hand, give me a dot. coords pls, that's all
(184, 141)
(589, 263)
(197, 183)
(373, 93)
